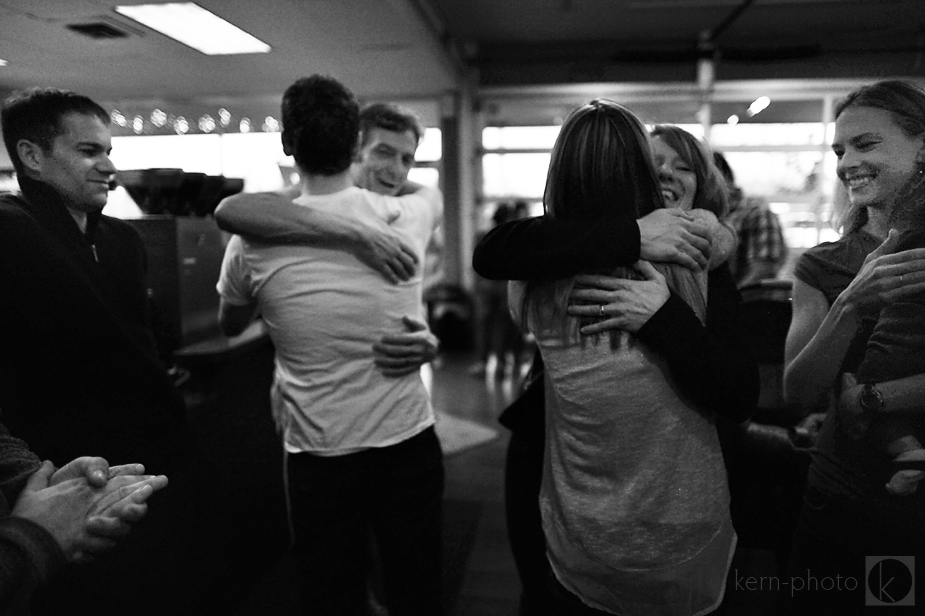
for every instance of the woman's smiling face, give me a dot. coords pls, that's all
(678, 180)
(875, 157)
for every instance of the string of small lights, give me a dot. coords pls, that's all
(160, 122)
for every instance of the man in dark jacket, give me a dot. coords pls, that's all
(79, 370)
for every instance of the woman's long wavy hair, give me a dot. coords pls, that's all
(905, 102)
(601, 166)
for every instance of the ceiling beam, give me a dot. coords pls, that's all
(429, 26)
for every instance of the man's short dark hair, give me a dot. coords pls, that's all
(391, 118)
(35, 115)
(321, 121)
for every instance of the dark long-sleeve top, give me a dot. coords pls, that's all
(79, 369)
(711, 362)
(28, 552)
(541, 248)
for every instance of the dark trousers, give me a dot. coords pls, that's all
(523, 476)
(828, 571)
(396, 492)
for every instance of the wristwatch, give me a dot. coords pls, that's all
(871, 400)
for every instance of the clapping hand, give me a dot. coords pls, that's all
(887, 276)
(82, 517)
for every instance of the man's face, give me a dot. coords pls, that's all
(77, 165)
(384, 161)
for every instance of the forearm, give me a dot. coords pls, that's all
(17, 464)
(905, 395)
(546, 249)
(273, 218)
(723, 244)
(723, 238)
(712, 365)
(234, 319)
(29, 555)
(810, 376)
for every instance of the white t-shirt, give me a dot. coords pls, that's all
(324, 310)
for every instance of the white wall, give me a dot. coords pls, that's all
(254, 157)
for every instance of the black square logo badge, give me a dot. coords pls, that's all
(890, 581)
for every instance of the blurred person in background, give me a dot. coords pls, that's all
(761, 250)
(497, 334)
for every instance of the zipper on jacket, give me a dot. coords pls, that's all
(96, 257)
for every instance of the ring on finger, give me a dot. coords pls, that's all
(601, 310)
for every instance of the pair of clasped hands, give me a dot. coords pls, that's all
(87, 505)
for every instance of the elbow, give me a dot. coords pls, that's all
(230, 330)
(232, 324)
(481, 263)
(221, 216)
(225, 214)
(478, 261)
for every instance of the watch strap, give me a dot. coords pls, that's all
(870, 399)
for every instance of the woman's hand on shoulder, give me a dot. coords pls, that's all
(723, 240)
(619, 303)
(886, 277)
(669, 235)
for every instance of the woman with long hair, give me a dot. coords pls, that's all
(634, 501)
(850, 514)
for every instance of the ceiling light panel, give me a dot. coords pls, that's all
(700, 4)
(196, 27)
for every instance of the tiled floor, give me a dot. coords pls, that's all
(489, 585)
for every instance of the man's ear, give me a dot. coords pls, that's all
(287, 149)
(30, 154)
(358, 147)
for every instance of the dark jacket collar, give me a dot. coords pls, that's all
(49, 207)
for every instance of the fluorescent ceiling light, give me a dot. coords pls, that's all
(3, 62)
(193, 25)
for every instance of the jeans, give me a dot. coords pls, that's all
(395, 491)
